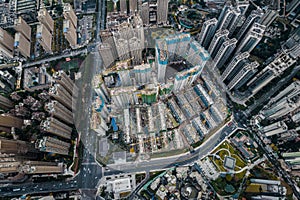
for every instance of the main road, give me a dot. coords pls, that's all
(274, 160)
(166, 162)
(65, 55)
(90, 172)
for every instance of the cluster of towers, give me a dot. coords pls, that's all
(123, 43)
(149, 12)
(45, 30)
(70, 25)
(230, 39)
(180, 46)
(20, 44)
(56, 127)
(286, 102)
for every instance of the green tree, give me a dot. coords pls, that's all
(228, 177)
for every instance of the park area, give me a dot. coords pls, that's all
(226, 150)
(231, 177)
(69, 64)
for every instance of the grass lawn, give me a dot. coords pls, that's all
(168, 153)
(110, 6)
(239, 161)
(124, 194)
(240, 175)
(219, 164)
(69, 1)
(66, 66)
(289, 189)
(226, 145)
(75, 165)
(222, 154)
(253, 188)
(155, 174)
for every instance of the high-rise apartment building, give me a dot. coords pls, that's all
(255, 16)
(45, 19)
(63, 79)
(69, 14)
(123, 6)
(196, 54)
(133, 5)
(271, 71)
(242, 5)
(122, 97)
(224, 52)
(292, 8)
(22, 44)
(252, 38)
(142, 74)
(5, 103)
(106, 53)
(9, 121)
(124, 76)
(59, 111)
(219, 38)
(102, 90)
(124, 30)
(15, 146)
(243, 76)
(286, 102)
(269, 17)
(56, 127)
(235, 65)
(144, 12)
(22, 37)
(59, 93)
(292, 45)
(135, 50)
(186, 78)
(70, 24)
(229, 18)
(129, 39)
(207, 32)
(44, 37)
(22, 27)
(291, 91)
(275, 129)
(107, 37)
(27, 6)
(161, 60)
(177, 45)
(122, 46)
(6, 44)
(70, 32)
(53, 145)
(162, 11)
(281, 109)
